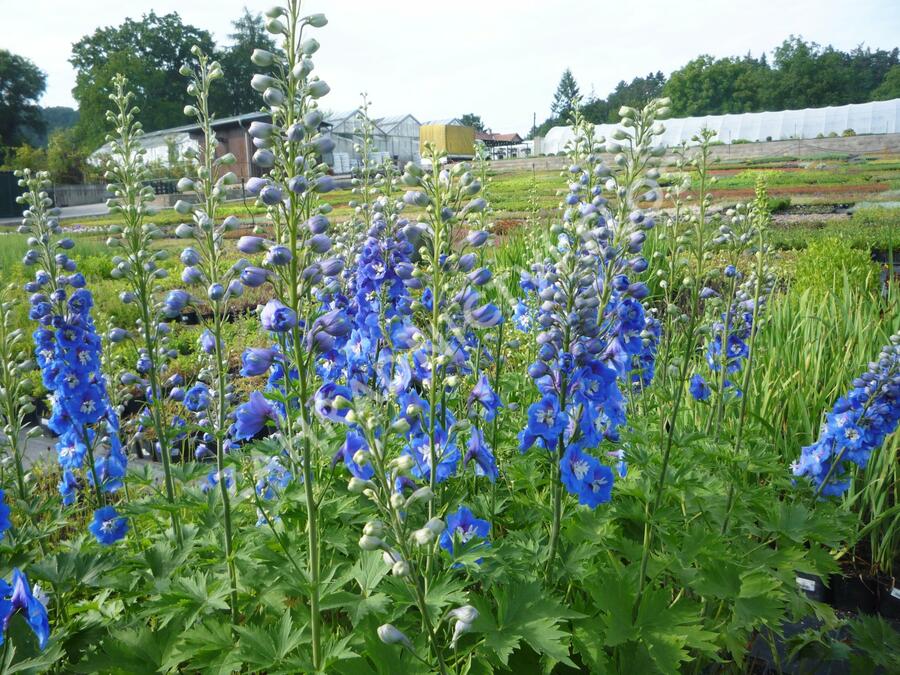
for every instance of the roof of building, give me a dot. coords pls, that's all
(448, 122)
(389, 122)
(497, 139)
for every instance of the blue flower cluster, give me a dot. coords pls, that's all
(858, 425)
(596, 339)
(68, 351)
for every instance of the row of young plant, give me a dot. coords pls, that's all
(442, 465)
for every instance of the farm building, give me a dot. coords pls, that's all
(231, 133)
(395, 137)
(502, 146)
(402, 134)
(877, 117)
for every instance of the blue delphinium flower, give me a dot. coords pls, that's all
(108, 526)
(257, 361)
(277, 318)
(462, 527)
(479, 452)
(523, 318)
(353, 443)
(699, 388)
(586, 477)
(19, 598)
(251, 417)
(211, 482)
(197, 398)
(483, 394)
(445, 451)
(858, 425)
(68, 351)
(275, 479)
(324, 398)
(545, 422)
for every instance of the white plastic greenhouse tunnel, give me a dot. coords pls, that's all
(877, 117)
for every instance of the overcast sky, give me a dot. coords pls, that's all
(500, 59)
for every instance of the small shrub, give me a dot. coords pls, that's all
(848, 132)
(828, 264)
(779, 204)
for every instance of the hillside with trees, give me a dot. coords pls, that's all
(800, 74)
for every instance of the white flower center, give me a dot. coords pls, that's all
(580, 469)
(598, 484)
(465, 534)
(545, 416)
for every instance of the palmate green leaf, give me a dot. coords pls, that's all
(207, 646)
(68, 569)
(268, 647)
(187, 599)
(760, 601)
(661, 636)
(524, 613)
(369, 570)
(445, 590)
(133, 650)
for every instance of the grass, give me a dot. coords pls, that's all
(869, 228)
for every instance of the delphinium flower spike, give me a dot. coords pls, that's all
(138, 264)
(856, 427)
(207, 263)
(291, 147)
(596, 337)
(68, 350)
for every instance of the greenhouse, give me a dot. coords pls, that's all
(877, 117)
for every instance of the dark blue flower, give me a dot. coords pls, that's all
(586, 477)
(323, 401)
(197, 398)
(257, 360)
(19, 598)
(108, 526)
(478, 450)
(463, 527)
(485, 395)
(352, 444)
(277, 317)
(545, 421)
(699, 388)
(251, 417)
(446, 453)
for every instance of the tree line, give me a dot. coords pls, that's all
(801, 74)
(149, 53)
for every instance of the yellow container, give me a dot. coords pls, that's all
(455, 140)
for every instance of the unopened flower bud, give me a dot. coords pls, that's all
(390, 635)
(369, 543)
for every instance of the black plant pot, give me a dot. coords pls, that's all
(813, 586)
(854, 594)
(889, 599)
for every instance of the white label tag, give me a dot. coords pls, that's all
(807, 584)
(895, 592)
